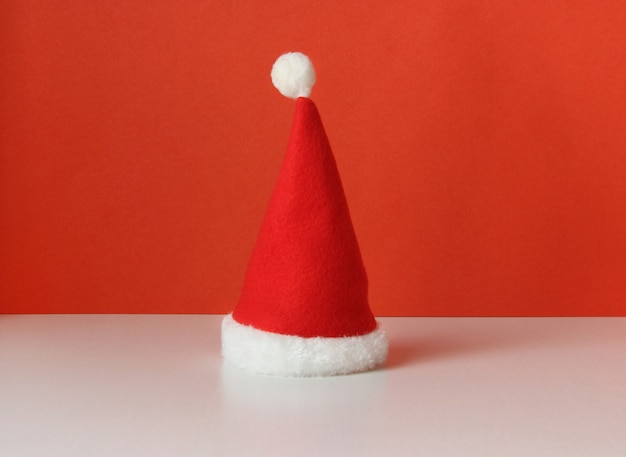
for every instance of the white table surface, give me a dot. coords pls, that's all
(155, 385)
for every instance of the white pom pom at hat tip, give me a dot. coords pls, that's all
(293, 75)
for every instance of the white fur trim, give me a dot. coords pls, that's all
(293, 75)
(288, 355)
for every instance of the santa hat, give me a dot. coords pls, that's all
(304, 309)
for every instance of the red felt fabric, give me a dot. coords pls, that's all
(306, 276)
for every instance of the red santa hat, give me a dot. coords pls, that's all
(304, 307)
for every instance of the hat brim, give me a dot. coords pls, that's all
(289, 355)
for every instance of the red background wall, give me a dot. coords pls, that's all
(482, 146)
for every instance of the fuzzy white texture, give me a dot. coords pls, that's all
(293, 75)
(287, 355)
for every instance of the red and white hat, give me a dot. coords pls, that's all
(304, 309)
